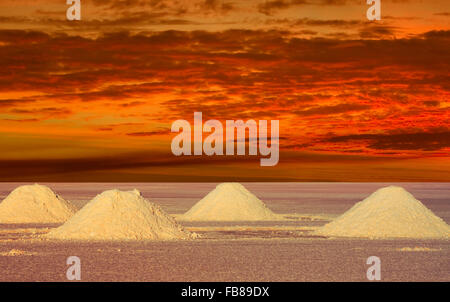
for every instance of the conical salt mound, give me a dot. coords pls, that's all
(229, 202)
(390, 212)
(119, 215)
(35, 204)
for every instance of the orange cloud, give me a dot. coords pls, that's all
(110, 86)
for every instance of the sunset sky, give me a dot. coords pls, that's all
(94, 100)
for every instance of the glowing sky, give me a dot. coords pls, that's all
(94, 99)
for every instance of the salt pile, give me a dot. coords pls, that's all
(389, 212)
(120, 215)
(35, 204)
(229, 202)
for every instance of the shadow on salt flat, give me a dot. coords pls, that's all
(9, 226)
(255, 234)
(21, 231)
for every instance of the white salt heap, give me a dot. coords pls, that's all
(35, 204)
(120, 215)
(390, 212)
(229, 202)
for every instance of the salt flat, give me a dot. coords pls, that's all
(233, 251)
(274, 259)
